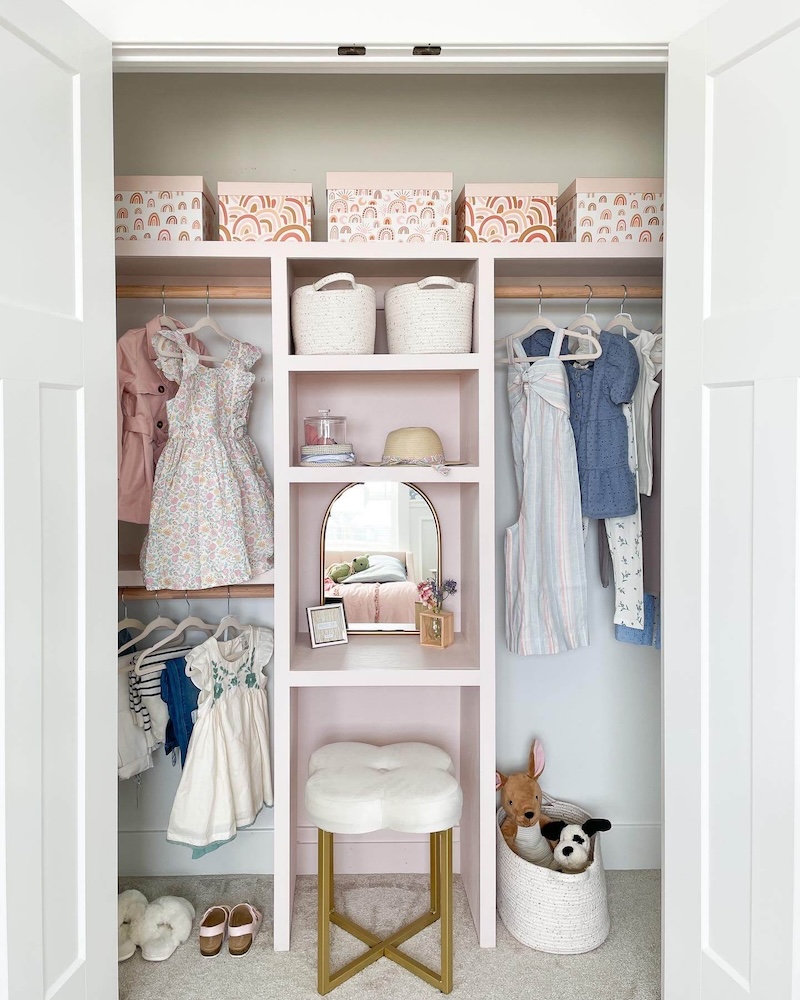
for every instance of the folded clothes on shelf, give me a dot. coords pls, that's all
(327, 455)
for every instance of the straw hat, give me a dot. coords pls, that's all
(414, 446)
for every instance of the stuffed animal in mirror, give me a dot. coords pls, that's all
(339, 572)
(572, 852)
(521, 799)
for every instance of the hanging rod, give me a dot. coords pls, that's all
(264, 293)
(194, 291)
(577, 292)
(234, 591)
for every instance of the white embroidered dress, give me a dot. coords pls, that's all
(227, 777)
(211, 520)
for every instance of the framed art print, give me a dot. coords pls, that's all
(327, 625)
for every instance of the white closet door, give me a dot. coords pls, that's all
(58, 504)
(731, 509)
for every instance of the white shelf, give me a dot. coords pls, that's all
(245, 260)
(383, 661)
(382, 362)
(579, 260)
(385, 473)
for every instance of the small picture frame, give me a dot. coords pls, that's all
(327, 625)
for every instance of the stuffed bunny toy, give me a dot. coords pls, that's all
(522, 803)
(571, 853)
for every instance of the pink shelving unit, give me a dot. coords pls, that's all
(377, 688)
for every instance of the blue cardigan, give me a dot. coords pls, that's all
(596, 394)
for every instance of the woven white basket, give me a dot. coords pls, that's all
(432, 316)
(564, 913)
(334, 320)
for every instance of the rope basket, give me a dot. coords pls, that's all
(564, 913)
(432, 316)
(334, 320)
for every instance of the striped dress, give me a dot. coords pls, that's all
(546, 596)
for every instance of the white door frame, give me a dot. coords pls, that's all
(247, 57)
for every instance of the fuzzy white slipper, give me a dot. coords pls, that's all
(165, 924)
(131, 906)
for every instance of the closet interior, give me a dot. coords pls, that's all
(597, 708)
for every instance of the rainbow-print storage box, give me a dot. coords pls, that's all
(400, 207)
(507, 213)
(259, 212)
(612, 210)
(151, 207)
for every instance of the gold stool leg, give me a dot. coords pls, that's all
(436, 864)
(324, 907)
(446, 927)
(441, 909)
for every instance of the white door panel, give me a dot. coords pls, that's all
(731, 557)
(57, 448)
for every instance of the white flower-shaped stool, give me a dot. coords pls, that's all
(360, 788)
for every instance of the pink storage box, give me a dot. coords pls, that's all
(254, 212)
(404, 207)
(507, 213)
(612, 210)
(151, 207)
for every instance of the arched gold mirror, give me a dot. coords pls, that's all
(378, 541)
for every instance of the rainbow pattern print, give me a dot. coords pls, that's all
(163, 215)
(612, 217)
(362, 215)
(261, 217)
(507, 219)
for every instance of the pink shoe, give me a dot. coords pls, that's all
(213, 928)
(244, 924)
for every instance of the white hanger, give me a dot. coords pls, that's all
(623, 319)
(588, 321)
(160, 622)
(127, 622)
(191, 621)
(229, 621)
(166, 321)
(540, 322)
(206, 321)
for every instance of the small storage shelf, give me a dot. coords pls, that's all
(376, 402)
(383, 661)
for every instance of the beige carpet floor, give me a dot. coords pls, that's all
(626, 967)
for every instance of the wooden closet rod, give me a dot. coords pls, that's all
(264, 293)
(194, 291)
(578, 292)
(234, 591)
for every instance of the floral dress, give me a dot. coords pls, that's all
(211, 520)
(226, 778)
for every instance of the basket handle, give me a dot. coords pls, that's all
(437, 279)
(331, 278)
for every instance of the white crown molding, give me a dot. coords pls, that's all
(249, 58)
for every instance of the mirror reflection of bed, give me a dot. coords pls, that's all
(396, 528)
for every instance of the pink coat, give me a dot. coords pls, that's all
(142, 394)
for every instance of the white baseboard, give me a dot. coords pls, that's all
(626, 846)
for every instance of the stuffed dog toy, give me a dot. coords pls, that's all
(522, 804)
(571, 853)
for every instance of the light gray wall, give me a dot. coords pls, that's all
(482, 128)
(596, 709)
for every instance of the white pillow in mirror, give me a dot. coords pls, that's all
(382, 569)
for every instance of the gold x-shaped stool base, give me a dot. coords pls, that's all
(441, 909)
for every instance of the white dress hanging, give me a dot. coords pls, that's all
(226, 778)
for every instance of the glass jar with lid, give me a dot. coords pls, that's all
(324, 429)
